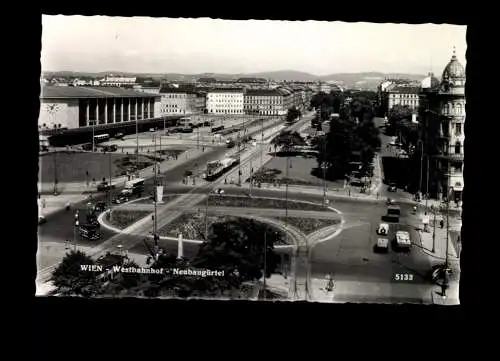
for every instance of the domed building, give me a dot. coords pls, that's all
(442, 112)
(429, 82)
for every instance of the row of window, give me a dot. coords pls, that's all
(404, 96)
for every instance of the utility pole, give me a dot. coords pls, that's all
(55, 173)
(239, 158)
(155, 223)
(110, 179)
(206, 217)
(251, 178)
(137, 142)
(323, 166)
(427, 186)
(434, 233)
(421, 165)
(262, 142)
(265, 262)
(164, 124)
(93, 136)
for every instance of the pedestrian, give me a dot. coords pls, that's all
(43, 203)
(441, 223)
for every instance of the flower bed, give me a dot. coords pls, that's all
(123, 218)
(226, 201)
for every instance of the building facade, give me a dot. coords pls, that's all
(77, 107)
(401, 92)
(442, 113)
(264, 102)
(118, 81)
(177, 101)
(225, 101)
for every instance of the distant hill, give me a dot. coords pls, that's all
(364, 80)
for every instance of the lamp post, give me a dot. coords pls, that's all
(265, 262)
(421, 165)
(77, 224)
(136, 142)
(155, 222)
(239, 158)
(110, 179)
(55, 174)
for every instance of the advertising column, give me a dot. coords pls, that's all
(159, 194)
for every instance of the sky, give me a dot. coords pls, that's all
(193, 46)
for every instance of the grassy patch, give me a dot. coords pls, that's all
(222, 201)
(308, 225)
(94, 165)
(296, 170)
(123, 219)
(192, 226)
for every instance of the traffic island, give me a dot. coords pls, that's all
(236, 201)
(193, 225)
(122, 219)
(308, 225)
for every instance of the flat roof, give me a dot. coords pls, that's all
(57, 92)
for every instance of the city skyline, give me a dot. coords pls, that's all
(143, 45)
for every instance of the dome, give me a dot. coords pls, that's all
(454, 70)
(429, 82)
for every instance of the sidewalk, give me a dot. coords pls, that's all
(79, 191)
(373, 292)
(440, 241)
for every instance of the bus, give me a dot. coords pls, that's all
(133, 186)
(101, 138)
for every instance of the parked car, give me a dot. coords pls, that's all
(383, 229)
(42, 220)
(392, 187)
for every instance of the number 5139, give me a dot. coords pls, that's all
(403, 277)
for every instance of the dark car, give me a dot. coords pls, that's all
(89, 231)
(41, 220)
(392, 187)
(100, 207)
(104, 186)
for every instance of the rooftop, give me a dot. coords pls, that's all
(262, 92)
(56, 92)
(405, 89)
(225, 90)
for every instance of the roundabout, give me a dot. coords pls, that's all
(302, 223)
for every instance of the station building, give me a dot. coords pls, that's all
(83, 111)
(75, 107)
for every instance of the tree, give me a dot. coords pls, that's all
(238, 247)
(398, 115)
(292, 114)
(70, 278)
(353, 137)
(288, 139)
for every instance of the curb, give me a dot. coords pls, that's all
(102, 222)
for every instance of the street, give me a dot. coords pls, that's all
(348, 257)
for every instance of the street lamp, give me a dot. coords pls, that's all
(55, 174)
(137, 142)
(77, 224)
